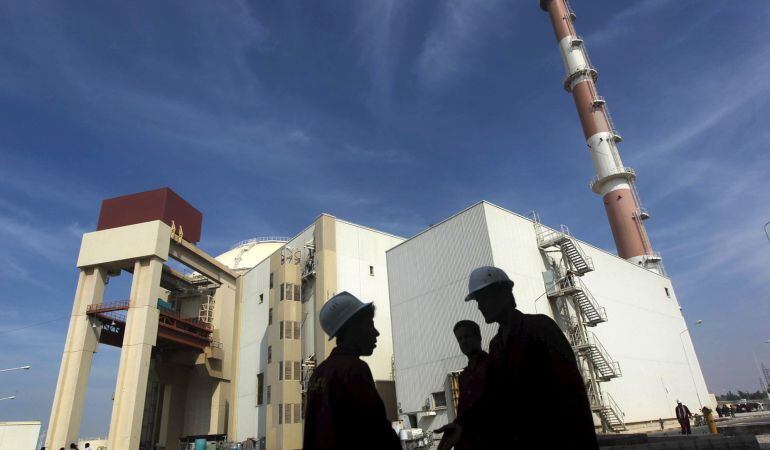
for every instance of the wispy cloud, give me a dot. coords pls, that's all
(448, 48)
(377, 30)
(623, 21)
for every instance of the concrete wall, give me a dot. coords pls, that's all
(358, 248)
(428, 280)
(252, 352)
(19, 435)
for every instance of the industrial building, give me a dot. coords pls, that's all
(221, 350)
(280, 340)
(623, 321)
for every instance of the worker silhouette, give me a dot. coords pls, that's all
(683, 415)
(471, 379)
(344, 410)
(530, 362)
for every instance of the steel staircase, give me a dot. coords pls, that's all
(579, 310)
(586, 344)
(605, 407)
(573, 286)
(562, 239)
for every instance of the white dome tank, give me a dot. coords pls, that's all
(247, 254)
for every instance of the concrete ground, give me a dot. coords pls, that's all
(741, 419)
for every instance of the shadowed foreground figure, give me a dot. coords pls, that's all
(471, 379)
(344, 410)
(530, 362)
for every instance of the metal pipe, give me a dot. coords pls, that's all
(613, 181)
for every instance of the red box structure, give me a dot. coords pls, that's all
(159, 204)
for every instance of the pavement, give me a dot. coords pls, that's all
(740, 420)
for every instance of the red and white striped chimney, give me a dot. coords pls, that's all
(613, 181)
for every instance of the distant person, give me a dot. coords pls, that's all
(88, 446)
(468, 335)
(344, 410)
(530, 362)
(73, 446)
(719, 410)
(732, 410)
(683, 416)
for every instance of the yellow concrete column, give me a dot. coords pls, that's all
(219, 397)
(325, 237)
(79, 349)
(140, 336)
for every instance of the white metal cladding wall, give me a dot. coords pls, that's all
(643, 330)
(358, 248)
(252, 351)
(643, 334)
(428, 278)
(515, 250)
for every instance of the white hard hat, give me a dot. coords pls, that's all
(338, 310)
(483, 277)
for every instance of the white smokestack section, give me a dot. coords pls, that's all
(613, 181)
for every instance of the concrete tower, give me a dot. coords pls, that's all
(613, 181)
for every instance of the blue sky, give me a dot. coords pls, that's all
(390, 114)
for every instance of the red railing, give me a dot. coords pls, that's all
(171, 326)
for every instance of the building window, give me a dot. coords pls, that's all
(439, 399)
(271, 280)
(283, 291)
(280, 370)
(297, 295)
(287, 369)
(280, 413)
(296, 330)
(668, 294)
(280, 332)
(270, 316)
(261, 298)
(268, 395)
(371, 270)
(269, 354)
(260, 381)
(296, 412)
(287, 413)
(297, 371)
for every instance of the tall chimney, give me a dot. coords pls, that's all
(613, 181)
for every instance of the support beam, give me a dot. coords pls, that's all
(79, 349)
(140, 336)
(204, 264)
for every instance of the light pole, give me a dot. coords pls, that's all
(761, 373)
(16, 368)
(766, 233)
(689, 367)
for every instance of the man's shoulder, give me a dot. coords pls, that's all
(541, 322)
(342, 364)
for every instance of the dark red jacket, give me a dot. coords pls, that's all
(534, 396)
(471, 382)
(344, 410)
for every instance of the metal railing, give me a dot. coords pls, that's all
(108, 306)
(548, 236)
(257, 240)
(631, 173)
(572, 284)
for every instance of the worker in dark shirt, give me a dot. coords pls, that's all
(530, 362)
(471, 379)
(344, 410)
(683, 416)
